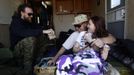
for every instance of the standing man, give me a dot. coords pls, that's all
(22, 37)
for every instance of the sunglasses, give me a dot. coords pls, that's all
(30, 14)
(77, 26)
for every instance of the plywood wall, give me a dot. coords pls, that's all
(130, 19)
(64, 22)
(7, 8)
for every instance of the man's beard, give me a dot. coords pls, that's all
(28, 19)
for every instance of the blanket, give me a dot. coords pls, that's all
(85, 62)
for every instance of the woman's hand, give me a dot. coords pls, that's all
(98, 42)
(88, 37)
(104, 52)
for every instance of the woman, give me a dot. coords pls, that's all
(97, 27)
(98, 39)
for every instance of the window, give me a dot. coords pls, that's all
(115, 3)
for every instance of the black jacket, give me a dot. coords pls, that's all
(20, 29)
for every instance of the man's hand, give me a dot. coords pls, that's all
(51, 62)
(50, 32)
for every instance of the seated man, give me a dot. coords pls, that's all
(22, 36)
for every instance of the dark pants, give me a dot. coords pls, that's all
(30, 50)
(23, 54)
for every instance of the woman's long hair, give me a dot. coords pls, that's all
(100, 27)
